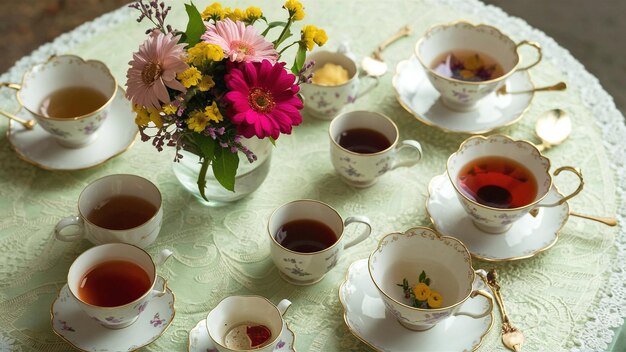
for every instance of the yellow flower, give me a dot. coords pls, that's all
(204, 51)
(435, 299)
(236, 15)
(169, 109)
(308, 36)
(213, 113)
(320, 37)
(206, 83)
(214, 12)
(145, 116)
(422, 292)
(198, 119)
(253, 13)
(295, 8)
(189, 77)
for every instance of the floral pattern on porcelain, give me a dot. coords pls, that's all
(326, 102)
(294, 268)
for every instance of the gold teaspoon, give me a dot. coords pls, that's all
(556, 87)
(512, 337)
(28, 124)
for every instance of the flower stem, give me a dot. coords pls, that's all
(283, 33)
(287, 47)
(202, 177)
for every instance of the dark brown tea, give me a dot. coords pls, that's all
(467, 65)
(113, 283)
(122, 212)
(363, 141)
(498, 182)
(305, 236)
(72, 102)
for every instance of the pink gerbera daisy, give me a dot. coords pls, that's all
(240, 43)
(153, 68)
(263, 99)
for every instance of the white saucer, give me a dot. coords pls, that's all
(368, 320)
(199, 340)
(417, 95)
(39, 148)
(79, 330)
(527, 237)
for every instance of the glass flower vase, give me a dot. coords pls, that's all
(248, 178)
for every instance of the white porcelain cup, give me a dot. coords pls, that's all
(62, 72)
(300, 268)
(120, 316)
(445, 260)
(363, 170)
(326, 102)
(98, 192)
(234, 311)
(499, 220)
(463, 95)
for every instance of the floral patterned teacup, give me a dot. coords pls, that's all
(459, 94)
(301, 268)
(60, 72)
(326, 102)
(498, 220)
(360, 169)
(120, 316)
(235, 311)
(448, 264)
(99, 192)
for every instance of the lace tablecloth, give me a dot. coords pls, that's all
(571, 297)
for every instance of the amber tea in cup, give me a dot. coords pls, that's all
(305, 236)
(113, 283)
(122, 212)
(363, 141)
(467, 65)
(71, 102)
(498, 182)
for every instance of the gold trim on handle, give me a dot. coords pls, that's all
(11, 85)
(576, 171)
(539, 53)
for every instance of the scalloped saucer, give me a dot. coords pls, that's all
(199, 340)
(367, 319)
(82, 332)
(39, 148)
(417, 95)
(527, 237)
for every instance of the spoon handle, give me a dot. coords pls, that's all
(28, 124)
(600, 219)
(403, 32)
(555, 87)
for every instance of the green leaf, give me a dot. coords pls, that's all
(422, 276)
(272, 25)
(202, 176)
(427, 281)
(206, 147)
(300, 58)
(272, 140)
(195, 26)
(225, 167)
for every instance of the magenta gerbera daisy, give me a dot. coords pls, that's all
(153, 68)
(240, 43)
(263, 100)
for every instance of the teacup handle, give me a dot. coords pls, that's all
(70, 221)
(11, 85)
(283, 306)
(369, 87)
(409, 143)
(163, 290)
(164, 255)
(358, 219)
(576, 171)
(539, 54)
(475, 293)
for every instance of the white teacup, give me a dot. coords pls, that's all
(445, 260)
(301, 268)
(60, 72)
(326, 102)
(119, 316)
(499, 220)
(234, 311)
(463, 95)
(360, 169)
(103, 189)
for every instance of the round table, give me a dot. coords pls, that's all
(570, 297)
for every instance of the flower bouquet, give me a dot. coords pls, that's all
(221, 80)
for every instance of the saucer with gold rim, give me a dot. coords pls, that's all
(85, 334)
(368, 320)
(527, 237)
(39, 148)
(418, 96)
(199, 340)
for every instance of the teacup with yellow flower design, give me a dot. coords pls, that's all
(402, 257)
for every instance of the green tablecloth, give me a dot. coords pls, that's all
(570, 297)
